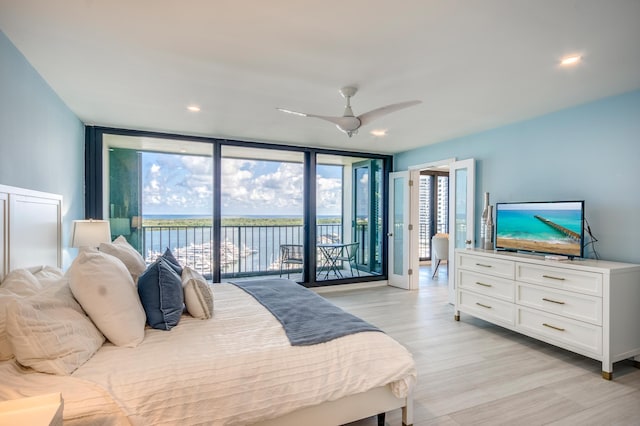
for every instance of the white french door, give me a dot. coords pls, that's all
(461, 213)
(403, 243)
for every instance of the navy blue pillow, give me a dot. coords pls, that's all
(160, 290)
(173, 262)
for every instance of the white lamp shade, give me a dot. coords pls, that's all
(90, 233)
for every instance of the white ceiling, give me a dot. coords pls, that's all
(474, 64)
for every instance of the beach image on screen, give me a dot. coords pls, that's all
(540, 227)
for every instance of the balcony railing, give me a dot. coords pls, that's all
(244, 250)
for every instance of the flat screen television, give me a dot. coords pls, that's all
(550, 227)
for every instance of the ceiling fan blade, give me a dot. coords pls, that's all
(346, 122)
(288, 111)
(368, 117)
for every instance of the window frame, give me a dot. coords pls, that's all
(94, 190)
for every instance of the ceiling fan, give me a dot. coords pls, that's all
(349, 123)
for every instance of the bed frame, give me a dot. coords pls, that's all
(30, 229)
(31, 235)
(377, 401)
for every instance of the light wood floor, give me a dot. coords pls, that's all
(474, 373)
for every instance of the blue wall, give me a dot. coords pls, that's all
(590, 152)
(41, 140)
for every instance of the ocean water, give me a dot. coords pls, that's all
(204, 216)
(255, 248)
(521, 224)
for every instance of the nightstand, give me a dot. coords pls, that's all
(42, 410)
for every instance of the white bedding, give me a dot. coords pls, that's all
(236, 368)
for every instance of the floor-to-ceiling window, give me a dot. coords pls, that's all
(238, 210)
(160, 195)
(262, 206)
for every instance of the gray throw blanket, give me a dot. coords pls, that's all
(307, 318)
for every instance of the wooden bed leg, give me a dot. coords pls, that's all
(381, 418)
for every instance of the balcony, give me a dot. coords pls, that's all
(248, 251)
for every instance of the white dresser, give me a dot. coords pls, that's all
(586, 306)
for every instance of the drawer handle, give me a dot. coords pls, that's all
(552, 326)
(483, 284)
(483, 265)
(552, 301)
(484, 306)
(551, 277)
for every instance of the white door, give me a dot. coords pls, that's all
(403, 272)
(461, 213)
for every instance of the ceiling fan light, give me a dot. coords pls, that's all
(379, 132)
(570, 60)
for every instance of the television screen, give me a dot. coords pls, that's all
(542, 227)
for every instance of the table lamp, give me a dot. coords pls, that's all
(90, 233)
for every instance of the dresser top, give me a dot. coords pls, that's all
(584, 264)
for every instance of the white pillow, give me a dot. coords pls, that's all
(50, 333)
(124, 251)
(48, 275)
(105, 289)
(6, 297)
(19, 283)
(198, 295)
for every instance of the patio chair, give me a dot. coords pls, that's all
(349, 252)
(291, 254)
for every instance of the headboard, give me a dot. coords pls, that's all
(30, 229)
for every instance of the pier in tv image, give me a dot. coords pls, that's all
(542, 227)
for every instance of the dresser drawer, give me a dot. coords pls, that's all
(573, 305)
(487, 285)
(561, 278)
(565, 332)
(498, 267)
(492, 310)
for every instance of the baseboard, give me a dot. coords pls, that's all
(354, 286)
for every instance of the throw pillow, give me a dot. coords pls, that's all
(103, 286)
(50, 333)
(17, 284)
(173, 262)
(198, 295)
(160, 290)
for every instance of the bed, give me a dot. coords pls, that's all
(236, 368)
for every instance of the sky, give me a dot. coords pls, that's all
(182, 184)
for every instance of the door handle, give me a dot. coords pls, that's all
(390, 234)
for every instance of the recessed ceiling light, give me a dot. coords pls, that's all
(193, 108)
(379, 132)
(570, 60)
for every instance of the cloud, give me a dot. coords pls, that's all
(261, 187)
(329, 195)
(175, 184)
